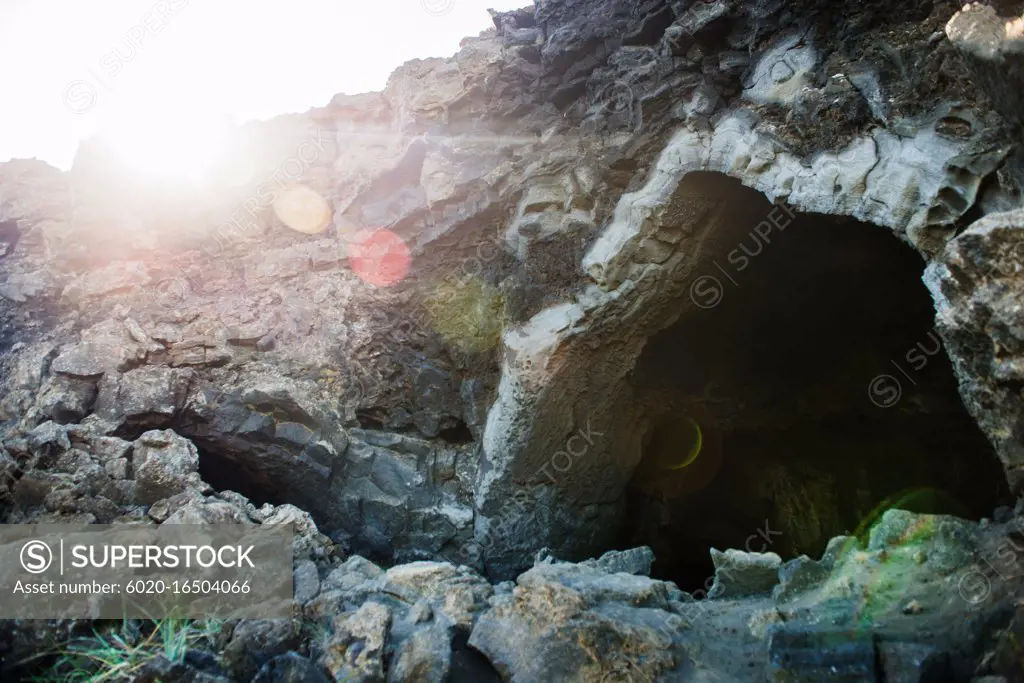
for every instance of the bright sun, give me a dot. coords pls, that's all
(168, 143)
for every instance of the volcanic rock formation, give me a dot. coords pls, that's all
(677, 275)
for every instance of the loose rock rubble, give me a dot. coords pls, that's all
(924, 595)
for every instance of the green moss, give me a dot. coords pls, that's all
(469, 315)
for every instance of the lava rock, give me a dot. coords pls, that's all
(165, 464)
(913, 663)
(49, 439)
(798, 576)
(739, 573)
(160, 669)
(85, 360)
(356, 648)
(200, 510)
(254, 642)
(946, 539)
(290, 668)
(455, 591)
(424, 656)
(67, 399)
(633, 561)
(810, 655)
(306, 581)
(148, 396)
(543, 630)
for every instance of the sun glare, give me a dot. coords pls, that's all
(168, 144)
(79, 63)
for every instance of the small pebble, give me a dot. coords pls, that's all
(913, 607)
(920, 557)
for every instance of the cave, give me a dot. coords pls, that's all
(224, 473)
(800, 392)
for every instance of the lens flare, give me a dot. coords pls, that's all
(696, 445)
(680, 457)
(922, 500)
(379, 257)
(880, 583)
(237, 170)
(303, 210)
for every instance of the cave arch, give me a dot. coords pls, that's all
(567, 371)
(822, 392)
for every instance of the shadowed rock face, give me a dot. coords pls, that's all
(562, 189)
(9, 236)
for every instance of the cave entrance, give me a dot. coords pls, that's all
(804, 393)
(227, 474)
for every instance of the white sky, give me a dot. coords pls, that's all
(240, 58)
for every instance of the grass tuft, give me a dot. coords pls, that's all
(118, 654)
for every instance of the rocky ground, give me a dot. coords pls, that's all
(450, 330)
(920, 598)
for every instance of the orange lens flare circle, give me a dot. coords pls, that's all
(303, 209)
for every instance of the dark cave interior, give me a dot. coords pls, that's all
(813, 395)
(227, 474)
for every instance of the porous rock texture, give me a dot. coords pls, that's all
(564, 185)
(923, 598)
